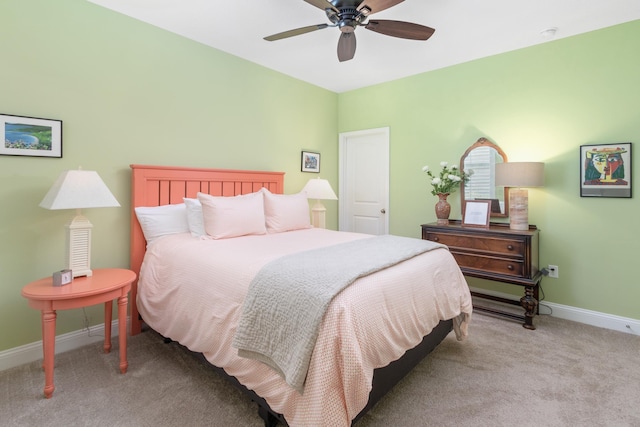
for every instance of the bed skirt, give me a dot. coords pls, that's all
(383, 378)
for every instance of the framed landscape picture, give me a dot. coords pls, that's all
(29, 136)
(605, 170)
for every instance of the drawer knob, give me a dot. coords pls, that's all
(510, 247)
(436, 239)
(510, 267)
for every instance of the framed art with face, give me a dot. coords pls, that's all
(605, 170)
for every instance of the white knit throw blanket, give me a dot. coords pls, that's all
(289, 296)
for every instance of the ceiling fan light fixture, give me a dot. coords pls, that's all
(332, 15)
(347, 26)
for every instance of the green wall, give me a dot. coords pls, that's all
(537, 104)
(128, 92)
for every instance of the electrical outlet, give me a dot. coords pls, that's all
(554, 271)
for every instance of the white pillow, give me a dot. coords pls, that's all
(233, 216)
(158, 221)
(286, 212)
(194, 217)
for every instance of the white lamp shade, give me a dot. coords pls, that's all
(319, 189)
(520, 174)
(78, 189)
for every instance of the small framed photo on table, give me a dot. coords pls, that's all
(477, 213)
(310, 162)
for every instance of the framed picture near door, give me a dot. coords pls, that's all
(310, 162)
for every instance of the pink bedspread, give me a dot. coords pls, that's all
(192, 291)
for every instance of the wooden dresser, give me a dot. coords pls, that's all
(495, 253)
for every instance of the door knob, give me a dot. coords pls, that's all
(382, 211)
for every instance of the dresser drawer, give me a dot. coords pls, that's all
(508, 267)
(498, 245)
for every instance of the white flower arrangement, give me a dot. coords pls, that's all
(449, 179)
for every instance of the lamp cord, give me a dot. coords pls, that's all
(85, 324)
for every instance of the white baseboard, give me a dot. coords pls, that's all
(31, 352)
(593, 318)
(70, 341)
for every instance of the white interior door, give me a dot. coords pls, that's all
(364, 181)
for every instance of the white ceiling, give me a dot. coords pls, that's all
(465, 30)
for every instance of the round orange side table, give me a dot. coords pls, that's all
(103, 286)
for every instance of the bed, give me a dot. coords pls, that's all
(357, 357)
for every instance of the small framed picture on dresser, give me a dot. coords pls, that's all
(477, 213)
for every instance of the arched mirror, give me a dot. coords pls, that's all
(481, 158)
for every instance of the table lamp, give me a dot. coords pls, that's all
(319, 189)
(517, 175)
(79, 189)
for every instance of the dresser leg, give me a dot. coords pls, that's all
(530, 304)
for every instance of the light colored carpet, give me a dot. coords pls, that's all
(562, 374)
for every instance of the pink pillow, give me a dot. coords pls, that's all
(233, 216)
(286, 212)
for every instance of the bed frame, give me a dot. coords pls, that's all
(162, 185)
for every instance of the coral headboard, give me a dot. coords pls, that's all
(163, 185)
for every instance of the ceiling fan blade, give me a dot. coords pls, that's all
(346, 46)
(377, 5)
(322, 4)
(404, 30)
(295, 32)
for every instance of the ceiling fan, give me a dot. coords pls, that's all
(349, 14)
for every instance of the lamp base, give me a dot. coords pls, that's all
(318, 215)
(79, 246)
(519, 209)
